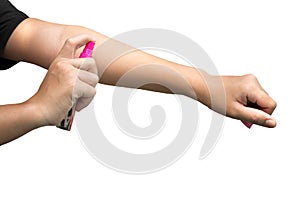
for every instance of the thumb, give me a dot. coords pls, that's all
(257, 116)
(74, 43)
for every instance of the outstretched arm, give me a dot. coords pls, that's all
(38, 42)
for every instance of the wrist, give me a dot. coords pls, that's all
(199, 81)
(35, 113)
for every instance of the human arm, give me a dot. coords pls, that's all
(35, 33)
(15, 120)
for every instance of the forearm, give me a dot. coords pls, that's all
(137, 67)
(16, 120)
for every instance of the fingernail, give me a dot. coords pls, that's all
(270, 123)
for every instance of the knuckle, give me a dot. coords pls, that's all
(251, 76)
(256, 118)
(64, 69)
(95, 79)
(66, 73)
(70, 42)
(60, 65)
(93, 92)
(250, 82)
(91, 64)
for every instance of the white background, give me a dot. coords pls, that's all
(258, 36)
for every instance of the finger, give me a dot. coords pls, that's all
(83, 90)
(256, 116)
(72, 44)
(264, 101)
(87, 70)
(88, 77)
(82, 103)
(87, 64)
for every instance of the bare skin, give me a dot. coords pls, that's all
(46, 40)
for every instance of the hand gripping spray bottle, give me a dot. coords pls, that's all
(66, 123)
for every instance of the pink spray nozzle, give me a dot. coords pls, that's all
(88, 50)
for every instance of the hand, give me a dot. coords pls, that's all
(68, 80)
(244, 90)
